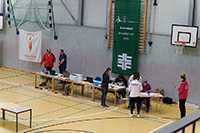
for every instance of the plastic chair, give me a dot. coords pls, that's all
(97, 79)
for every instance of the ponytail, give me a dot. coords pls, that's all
(183, 77)
(107, 70)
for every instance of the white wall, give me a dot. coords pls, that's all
(167, 13)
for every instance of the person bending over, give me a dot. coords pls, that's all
(120, 81)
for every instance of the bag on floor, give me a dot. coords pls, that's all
(66, 93)
(42, 84)
(167, 100)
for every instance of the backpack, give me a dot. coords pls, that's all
(167, 100)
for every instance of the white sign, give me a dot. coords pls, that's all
(30, 45)
(124, 61)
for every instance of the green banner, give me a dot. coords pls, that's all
(126, 34)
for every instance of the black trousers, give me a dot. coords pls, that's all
(132, 104)
(104, 91)
(62, 69)
(48, 69)
(182, 107)
(147, 101)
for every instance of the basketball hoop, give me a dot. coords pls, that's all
(179, 47)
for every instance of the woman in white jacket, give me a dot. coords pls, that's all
(135, 87)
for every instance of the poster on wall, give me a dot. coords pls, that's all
(30, 45)
(126, 33)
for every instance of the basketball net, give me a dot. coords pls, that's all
(27, 10)
(180, 47)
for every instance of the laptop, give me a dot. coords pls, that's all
(89, 79)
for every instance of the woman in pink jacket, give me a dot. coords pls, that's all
(183, 93)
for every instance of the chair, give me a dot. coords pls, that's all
(97, 79)
(124, 99)
(125, 96)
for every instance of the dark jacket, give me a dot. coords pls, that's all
(105, 81)
(122, 82)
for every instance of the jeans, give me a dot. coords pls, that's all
(182, 107)
(132, 104)
(104, 91)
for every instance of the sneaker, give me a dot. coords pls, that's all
(131, 115)
(138, 115)
(105, 105)
(147, 110)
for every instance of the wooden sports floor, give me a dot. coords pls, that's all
(55, 113)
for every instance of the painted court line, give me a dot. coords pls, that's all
(160, 127)
(114, 110)
(31, 99)
(65, 118)
(55, 118)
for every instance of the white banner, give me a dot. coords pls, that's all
(30, 45)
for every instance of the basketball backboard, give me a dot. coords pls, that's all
(184, 33)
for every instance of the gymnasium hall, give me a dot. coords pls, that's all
(99, 66)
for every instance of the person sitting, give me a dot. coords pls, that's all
(120, 81)
(146, 88)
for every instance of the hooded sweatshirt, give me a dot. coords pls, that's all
(183, 90)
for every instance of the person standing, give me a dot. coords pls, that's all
(134, 88)
(131, 78)
(146, 88)
(48, 60)
(183, 93)
(62, 61)
(104, 86)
